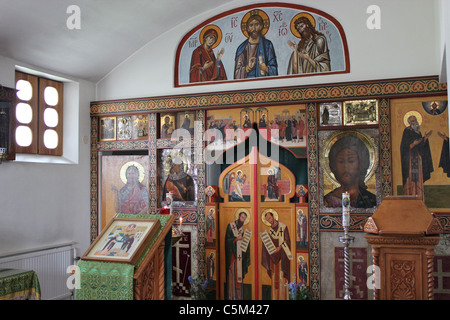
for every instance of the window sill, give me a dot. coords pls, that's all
(22, 157)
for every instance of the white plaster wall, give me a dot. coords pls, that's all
(406, 45)
(45, 204)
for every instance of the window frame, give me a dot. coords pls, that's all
(38, 106)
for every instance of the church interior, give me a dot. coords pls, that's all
(224, 150)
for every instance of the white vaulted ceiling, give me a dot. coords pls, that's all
(35, 32)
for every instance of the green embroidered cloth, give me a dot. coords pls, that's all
(16, 284)
(105, 281)
(100, 280)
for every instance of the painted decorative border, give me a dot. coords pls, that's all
(94, 231)
(153, 170)
(313, 199)
(385, 147)
(123, 145)
(201, 198)
(327, 92)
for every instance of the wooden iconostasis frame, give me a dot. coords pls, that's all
(383, 91)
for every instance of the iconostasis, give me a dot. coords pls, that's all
(153, 156)
(209, 152)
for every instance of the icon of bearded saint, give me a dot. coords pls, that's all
(255, 57)
(349, 161)
(179, 183)
(311, 54)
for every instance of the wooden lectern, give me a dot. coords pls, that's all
(109, 270)
(149, 277)
(403, 234)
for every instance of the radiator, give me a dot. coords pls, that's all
(51, 266)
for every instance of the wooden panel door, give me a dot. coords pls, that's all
(257, 229)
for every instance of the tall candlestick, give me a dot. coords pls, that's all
(345, 209)
(346, 240)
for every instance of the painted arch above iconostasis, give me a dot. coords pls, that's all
(296, 41)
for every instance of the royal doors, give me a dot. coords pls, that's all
(257, 229)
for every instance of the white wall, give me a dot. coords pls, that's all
(407, 45)
(43, 204)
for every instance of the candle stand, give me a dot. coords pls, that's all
(346, 239)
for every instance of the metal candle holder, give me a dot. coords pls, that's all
(346, 240)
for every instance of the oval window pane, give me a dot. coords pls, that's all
(51, 117)
(24, 136)
(25, 90)
(50, 139)
(51, 96)
(24, 113)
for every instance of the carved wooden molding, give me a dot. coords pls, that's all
(435, 227)
(150, 283)
(405, 267)
(430, 279)
(403, 280)
(160, 280)
(371, 226)
(407, 241)
(149, 276)
(145, 284)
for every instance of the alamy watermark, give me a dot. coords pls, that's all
(373, 279)
(73, 281)
(74, 20)
(373, 22)
(236, 142)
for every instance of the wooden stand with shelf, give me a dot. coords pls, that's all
(403, 234)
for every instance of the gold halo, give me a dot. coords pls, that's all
(264, 16)
(368, 141)
(123, 171)
(299, 15)
(219, 34)
(238, 211)
(263, 216)
(412, 113)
